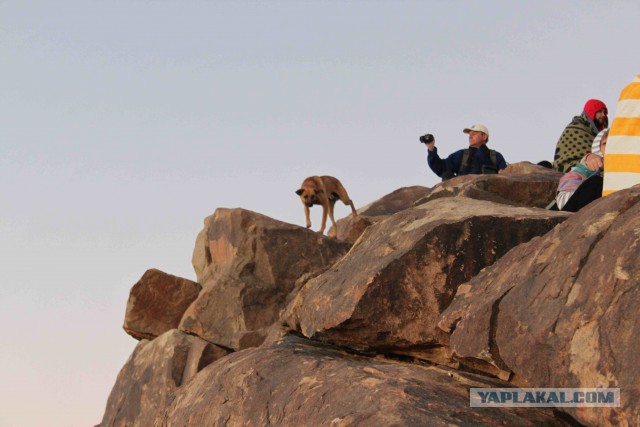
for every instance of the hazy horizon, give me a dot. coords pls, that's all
(125, 123)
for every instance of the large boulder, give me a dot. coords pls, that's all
(152, 373)
(349, 229)
(389, 290)
(296, 383)
(535, 188)
(530, 168)
(560, 311)
(156, 304)
(250, 264)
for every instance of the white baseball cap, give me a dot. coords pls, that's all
(477, 128)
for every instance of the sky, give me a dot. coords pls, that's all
(124, 123)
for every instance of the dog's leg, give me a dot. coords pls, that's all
(348, 202)
(325, 208)
(332, 203)
(353, 209)
(307, 216)
(341, 193)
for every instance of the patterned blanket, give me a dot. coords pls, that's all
(574, 143)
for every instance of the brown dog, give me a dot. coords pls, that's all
(323, 190)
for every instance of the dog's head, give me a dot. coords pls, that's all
(309, 196)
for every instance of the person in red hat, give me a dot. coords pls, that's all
(577, 138)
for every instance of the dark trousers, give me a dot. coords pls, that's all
(589, 190)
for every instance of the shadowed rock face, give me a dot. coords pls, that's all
(154, 370)
(298, 383)
(530, 168)
(521, 184)
(515, 189)
(156, 304)
(250, 263)
(389, 290)
(560, 310)
(394, 202)
(349, 229)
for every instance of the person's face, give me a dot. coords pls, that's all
(476, 138)
(603, 144)
(600, 117)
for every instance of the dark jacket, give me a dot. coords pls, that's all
(452, 165)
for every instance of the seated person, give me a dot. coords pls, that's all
(578, 135)
(583, 184)
(477, 159)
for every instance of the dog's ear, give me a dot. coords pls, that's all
(299, 192)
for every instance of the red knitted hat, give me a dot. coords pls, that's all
(593, 106)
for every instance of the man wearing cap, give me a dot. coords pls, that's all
(477, 159)
(577, 138)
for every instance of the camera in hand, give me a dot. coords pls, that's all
(426, 139)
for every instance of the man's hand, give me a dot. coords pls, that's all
(594, 162)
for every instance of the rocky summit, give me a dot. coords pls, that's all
(424, 295)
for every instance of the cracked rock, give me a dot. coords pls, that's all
(559, 311)
(296, 382)
(389, 290)
(248, 265)
(154, 370)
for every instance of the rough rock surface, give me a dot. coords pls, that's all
(250, 264)
(154, 370)
(156, 304)
(528, 167)
(296, 383)
(349, 229)
(389, 290)
(560, 311)
(526, 189)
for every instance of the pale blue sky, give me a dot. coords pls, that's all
(123, 124)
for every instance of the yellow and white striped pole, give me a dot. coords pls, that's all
(622, 156)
